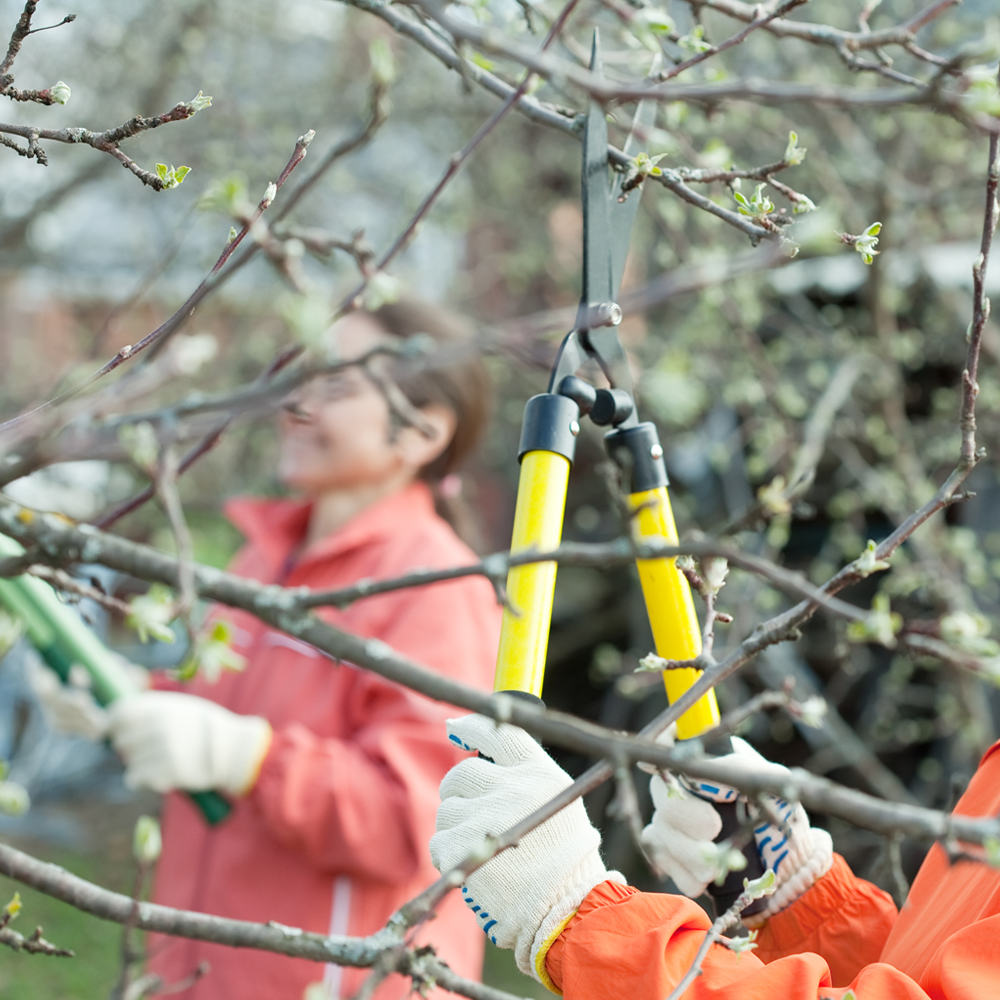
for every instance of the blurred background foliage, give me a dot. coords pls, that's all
(731, 371)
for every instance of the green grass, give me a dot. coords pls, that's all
(500, 970)
(91, 974)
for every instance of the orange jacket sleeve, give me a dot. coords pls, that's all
(365, 805)
(629, 945)
(841, 917)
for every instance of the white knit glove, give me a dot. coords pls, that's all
(170, 740)
(525, 896)
(679, 836)
(70, 708)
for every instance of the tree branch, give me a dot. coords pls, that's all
(292, 941)
(60, 541)
(106, 142)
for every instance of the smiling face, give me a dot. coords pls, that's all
(337, 431)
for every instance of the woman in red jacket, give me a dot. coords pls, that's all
(332, 770)
(585, 934)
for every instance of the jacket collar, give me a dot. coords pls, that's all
(277, 528)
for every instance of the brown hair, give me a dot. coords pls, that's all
(454, 376)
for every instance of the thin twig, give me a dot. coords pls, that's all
(166, 488)
(205, 445)
(728, 919)
(980, 310)
(740, 36)
(34, 945)
(208, 284)
(61, 580)
(455, 164)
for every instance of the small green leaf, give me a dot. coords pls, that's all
(382, 289)
(880, 625)
(694, 40)
(739, 945)
(483, 63)
(991, 845)
(865, 243)
(147, 842)
(152, 613)
(382, 61)
(14, 799)
(969, 631)
(794, 154)
(199, 103)
(646, 164)
(13, 908)
(804, 204)
(212, 654)
(866, 563)
(647, 24)
(172, 176)
(772, 497)
(763, 886)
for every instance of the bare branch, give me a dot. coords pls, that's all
(824, 34)
(740, 36)
(204, 446)
(277, 607)
(603, 554)
(34, 945)
(61, 580)
(209, 284)
(980, 309)
(456, 162)
(106, 142)
(61, 884)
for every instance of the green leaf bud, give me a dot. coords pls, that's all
(146, 840)
(60, 92)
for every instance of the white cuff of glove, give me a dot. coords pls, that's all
(799, 858)
(170, 741)
(531, 961)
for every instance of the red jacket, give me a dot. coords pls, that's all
(333, 836)
(843, 933)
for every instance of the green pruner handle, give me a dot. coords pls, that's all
(214, 807)
(63, 640)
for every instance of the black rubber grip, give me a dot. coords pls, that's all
(734, 817)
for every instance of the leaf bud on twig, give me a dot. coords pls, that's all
(199, 103)
(60, 92)
(146, 840)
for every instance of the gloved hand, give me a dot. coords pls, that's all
(173, 741)
(684, 824)
(525, 896)
(70, 708)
